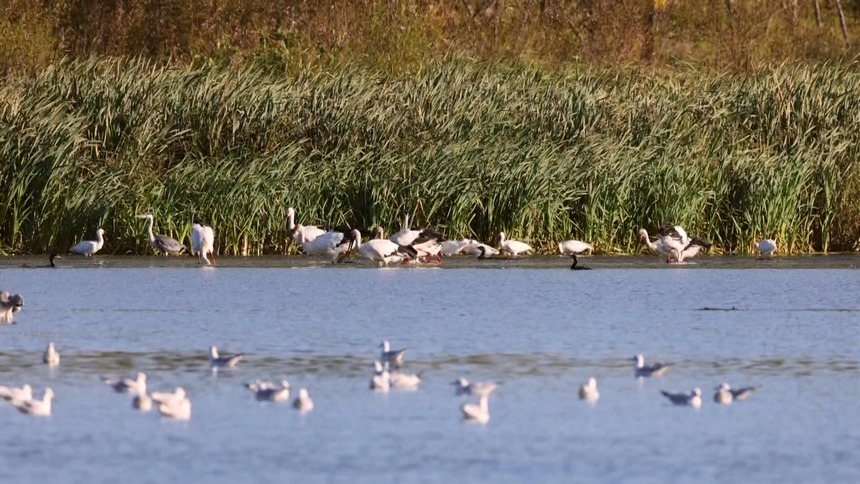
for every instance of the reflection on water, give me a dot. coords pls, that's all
(540, 332)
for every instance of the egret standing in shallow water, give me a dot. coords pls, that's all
(203, 242)
(162, 243)
(89, 247)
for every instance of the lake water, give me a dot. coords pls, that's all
(789, 325)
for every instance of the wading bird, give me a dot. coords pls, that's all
(767, 247)
(87, 248)
(202, 242)
(571, 247)
(513, 247)
(301, 234)
(162, 243)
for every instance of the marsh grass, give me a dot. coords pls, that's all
(477, 147)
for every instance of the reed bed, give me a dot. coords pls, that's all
(475, 147)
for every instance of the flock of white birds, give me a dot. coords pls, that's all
(176, 404)
(407, 245)
(411, 244)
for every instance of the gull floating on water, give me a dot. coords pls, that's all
(588, 391)
(381, 380)
(692, 398)
(16, 393)
(406, 381)
(726, 394)
(127, 385)
(41, 407)
(177, 409)
(142, 402)
(395, 357)
(479, 412)
(169, 397)
(50, 356)
(641, 370)
(226, 361)
(90, 247)
(303, 402)
(10, 304)
(268, 391)
(464, 387)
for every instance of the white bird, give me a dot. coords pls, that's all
(202, 242)
(477, 248)
(24, 392)
(179, 409)
(303, 402)
(379, 249)
(571, 247)
(162, 243)
(691, 399)
(767, 247)
(678, 245)
(513, 247)
(301, 234)
(333, 244)
(454, 247)
(41, 407)
(641, 370)
(268, 391)
(725, 394)
(87, 248)
(169, 397)
(226, 361)
(405, 236)
(464, 387)
(381, 379)
(404, 381)
(395, 357)
(142, 402)
(479, 412)
(588, 391)
(9, 305)
(50, 356)
(127, 385)
(656, 246)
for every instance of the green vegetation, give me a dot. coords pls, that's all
(478, 146)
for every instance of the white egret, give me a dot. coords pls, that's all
(87, 248)
(162, 243)
(202, 242)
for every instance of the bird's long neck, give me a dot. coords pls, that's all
(100, 238)
(651, 245)
(291, 222)
(149, 227)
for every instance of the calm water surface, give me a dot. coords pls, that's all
(538, 328)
